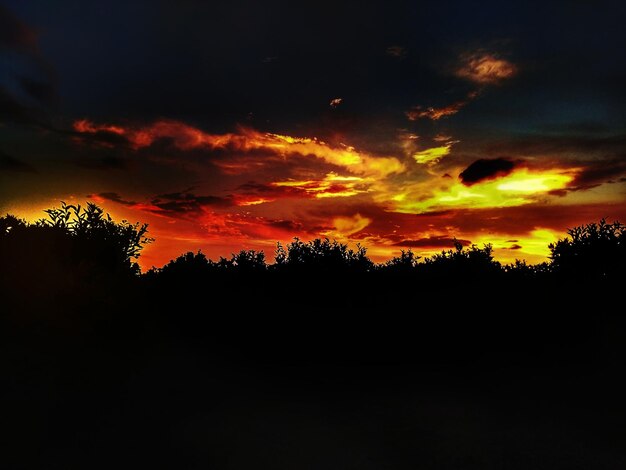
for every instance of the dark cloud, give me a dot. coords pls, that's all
(396, 51)
(484, 169)
(184, 202)
(27, 83)
(514, 247)
(180, 204)
(597, 172)
(263, 190)
(42, 91)
(14, 33)
(115, 197)
(12, 110)
(287, 225)
(433, 213)
(432, 242)
(106, 162)
(559, 144)
(9, 163)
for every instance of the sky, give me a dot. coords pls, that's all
(396, 125)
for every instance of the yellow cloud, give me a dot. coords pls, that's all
(432, 155)
(520, 187)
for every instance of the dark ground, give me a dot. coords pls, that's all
(455, 378)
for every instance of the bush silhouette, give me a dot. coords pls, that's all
(471, 264)
(592, 251)
(322, 255)
(406, 262)
(74, 247)
(113, 246)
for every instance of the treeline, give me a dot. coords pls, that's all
(78, 245)
(596, 251)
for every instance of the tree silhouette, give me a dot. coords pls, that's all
(323, 255)
(595, 251)
(469, 264)
(406, 262)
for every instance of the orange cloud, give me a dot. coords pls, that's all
(186, 137)
(332, 185)
(346, 226)
(485, 68)
(435, 114)
(88, 127)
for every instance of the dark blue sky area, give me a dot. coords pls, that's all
(213, 64)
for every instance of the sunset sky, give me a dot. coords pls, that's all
(230, 125)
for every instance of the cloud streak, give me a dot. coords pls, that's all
(186, 138)
(434, 114)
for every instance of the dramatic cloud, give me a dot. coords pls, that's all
(332, 185)
(484, 169)
(484, 68)
(363, 135)
(185, 137)
(181, 204)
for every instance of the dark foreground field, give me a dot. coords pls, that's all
(462, 381)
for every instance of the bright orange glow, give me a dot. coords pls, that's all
(532, 246)
(260, 188)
